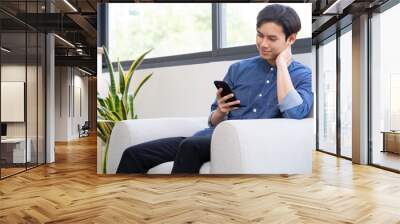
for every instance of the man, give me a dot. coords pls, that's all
(270, 85)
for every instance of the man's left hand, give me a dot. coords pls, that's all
(285, 57)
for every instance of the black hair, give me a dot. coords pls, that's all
(282, 15)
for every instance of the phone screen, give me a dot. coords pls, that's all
(225, 91)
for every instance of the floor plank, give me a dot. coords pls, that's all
(70, 191)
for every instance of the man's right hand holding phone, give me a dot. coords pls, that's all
(223, 107)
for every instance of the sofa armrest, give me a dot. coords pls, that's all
(132, 132)
(262, 146)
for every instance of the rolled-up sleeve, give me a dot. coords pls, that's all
(298, 103)
(209, 119)
(292, 99)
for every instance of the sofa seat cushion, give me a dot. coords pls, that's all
(166, 168)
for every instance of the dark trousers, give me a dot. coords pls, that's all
(188, 155)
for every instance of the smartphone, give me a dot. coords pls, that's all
(225, 91)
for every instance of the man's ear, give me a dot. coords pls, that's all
(292, 38)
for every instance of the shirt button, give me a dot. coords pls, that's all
(272, 68)
(267, 81)
(260, 95)
(254, 110)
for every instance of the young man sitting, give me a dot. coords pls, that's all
(270, 85)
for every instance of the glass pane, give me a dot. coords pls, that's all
(22, 88)
(385, 89)
(346, 94)
(327, 96)
(170, 29)
(394, 101)
(13, 85)
(240, 22)
(41, 98)
(31, 98)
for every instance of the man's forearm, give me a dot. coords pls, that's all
(284, 83)
(217, 117)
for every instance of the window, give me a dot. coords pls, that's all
(22, 75)
(346, 74)
(394, 101)
(170, 29)
(327, 96)
(334, 106)
(189, 31)
(240, 22)
(385, 88)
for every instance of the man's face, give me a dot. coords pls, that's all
(271, 41)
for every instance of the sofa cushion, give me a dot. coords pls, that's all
(205, 168)
(166, 168)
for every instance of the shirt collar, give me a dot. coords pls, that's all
(268, 66)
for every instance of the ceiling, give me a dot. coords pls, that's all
(327, 13)
(74, 21)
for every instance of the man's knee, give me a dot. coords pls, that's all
(130, 152)
(188, 145)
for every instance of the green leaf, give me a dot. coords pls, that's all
(101, 113)
(108, 115)
(121, 78)
(101, 134)
(106, 125)
(111, 116)
(117, 104)
(131, 107)
(110, 70)
(129, 74)
(105, 156)
(141, 84)
(101, 101)
(112, 88)
(109, 103)
(104, 128)
(123, 110)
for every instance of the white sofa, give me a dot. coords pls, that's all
(262, 146)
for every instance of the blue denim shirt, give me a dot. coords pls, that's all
(253, 81)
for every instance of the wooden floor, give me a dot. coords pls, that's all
(387, 159)
(70, 191)
(10, 171)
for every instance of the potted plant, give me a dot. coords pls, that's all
(118, 105)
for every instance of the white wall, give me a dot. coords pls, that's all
(181, 91)
(61, 103)
(12, 73)
(33, 126)
(67, 116)
(80, 82)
